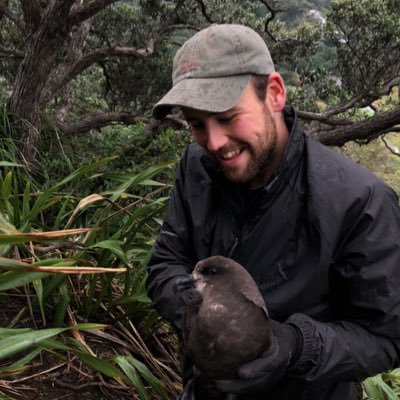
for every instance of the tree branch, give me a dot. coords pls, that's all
(76, 43)
(99, 120)
(65, 74)
(387, 86)
(81, 12)
(343, 107)
(363, 100)
(368, 129)
(204, 11)
(393, 150)
(321, 117)
(273, 11)
(6, 52)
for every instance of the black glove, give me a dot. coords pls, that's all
(201, 388)
(188, 391)
(264, 372)
(187, 297)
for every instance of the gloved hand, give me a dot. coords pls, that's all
(264, 372)
(187, 297)
(201, 388)
(188, 391)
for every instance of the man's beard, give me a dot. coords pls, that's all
(260, 158)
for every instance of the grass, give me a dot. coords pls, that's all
(71, 261)
(378, 159)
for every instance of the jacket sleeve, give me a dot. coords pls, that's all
(172, 254)
(364, 338)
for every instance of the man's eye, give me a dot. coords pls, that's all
(225, 120)
(196, 125)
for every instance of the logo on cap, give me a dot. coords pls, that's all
(187, 66)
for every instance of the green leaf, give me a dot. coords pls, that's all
(14, 344)
(135, 298)
(38, 286)
(10, 264)
(139, 179)
(377, 389)
(10, 164)
(26, 208)
(6, 227)
(13, 239)
(83, 170)
(42, 203)
(88, 326)
(19, 365)
(54, 282)
(55, 261)
(61, 213)
(103, 366)
(14, 279)
(5, 332)
(52, 344)
(114, 246)
(6, 187)
(16, 205)
(147, 375)
(61, 306)
(133, 376)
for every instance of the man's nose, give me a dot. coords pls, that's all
(216, 137)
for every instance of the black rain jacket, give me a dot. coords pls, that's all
(322, 241)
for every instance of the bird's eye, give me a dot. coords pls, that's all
(211, 270)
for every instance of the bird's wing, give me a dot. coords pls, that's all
(254, 296)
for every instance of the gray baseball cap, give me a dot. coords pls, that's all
(212, 69)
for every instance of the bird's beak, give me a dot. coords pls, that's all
(200, 284)
(196, 276)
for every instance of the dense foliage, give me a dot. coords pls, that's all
(83, 65)
(67, 257)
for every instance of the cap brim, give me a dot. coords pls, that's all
(205, 94)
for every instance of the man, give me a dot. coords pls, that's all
(319, 234)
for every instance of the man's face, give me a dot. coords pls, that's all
(242, 139)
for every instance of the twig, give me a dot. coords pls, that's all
(47, 371)
(204, 11)
(393, 150)
(75, 387)
(62, 245)
(273, 12)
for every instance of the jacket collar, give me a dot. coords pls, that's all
(286, 173)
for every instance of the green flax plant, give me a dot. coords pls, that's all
(50, 240)
(385, 386)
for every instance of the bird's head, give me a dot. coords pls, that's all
(213, 269)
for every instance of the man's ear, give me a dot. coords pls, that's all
(276, 92)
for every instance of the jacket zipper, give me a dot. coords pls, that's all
(233, 248)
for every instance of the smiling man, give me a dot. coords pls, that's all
(249, 139)
(319, 234)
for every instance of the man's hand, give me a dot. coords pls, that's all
(184, 287)
(189, 297)
(266, 371)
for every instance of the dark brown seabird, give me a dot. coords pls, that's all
(231, 326)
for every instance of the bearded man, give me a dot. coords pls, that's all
(319, 234)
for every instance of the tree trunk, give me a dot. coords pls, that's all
(40, 59)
